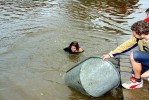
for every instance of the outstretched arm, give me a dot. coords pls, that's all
(126, 46)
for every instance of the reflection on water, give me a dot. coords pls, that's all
(74, 57)
(104, 14)
(33, 34)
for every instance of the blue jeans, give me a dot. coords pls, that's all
(143, 58)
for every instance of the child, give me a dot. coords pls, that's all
(138, 59)
(73, 48)
(147, 18)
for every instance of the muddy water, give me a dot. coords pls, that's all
(33, 34)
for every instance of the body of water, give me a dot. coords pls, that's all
(33, 34)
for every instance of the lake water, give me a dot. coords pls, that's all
(33, 34)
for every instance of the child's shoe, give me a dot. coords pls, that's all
(132, 84)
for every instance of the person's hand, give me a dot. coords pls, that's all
(105, 57)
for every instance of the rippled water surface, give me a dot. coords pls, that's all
(33, 34)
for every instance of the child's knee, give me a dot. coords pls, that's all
(135, 55)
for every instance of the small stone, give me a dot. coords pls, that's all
(41, 94)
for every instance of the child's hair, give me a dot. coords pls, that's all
(74, 43)
(140, 27)
(147, 10)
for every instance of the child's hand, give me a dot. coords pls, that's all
(105, 57)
